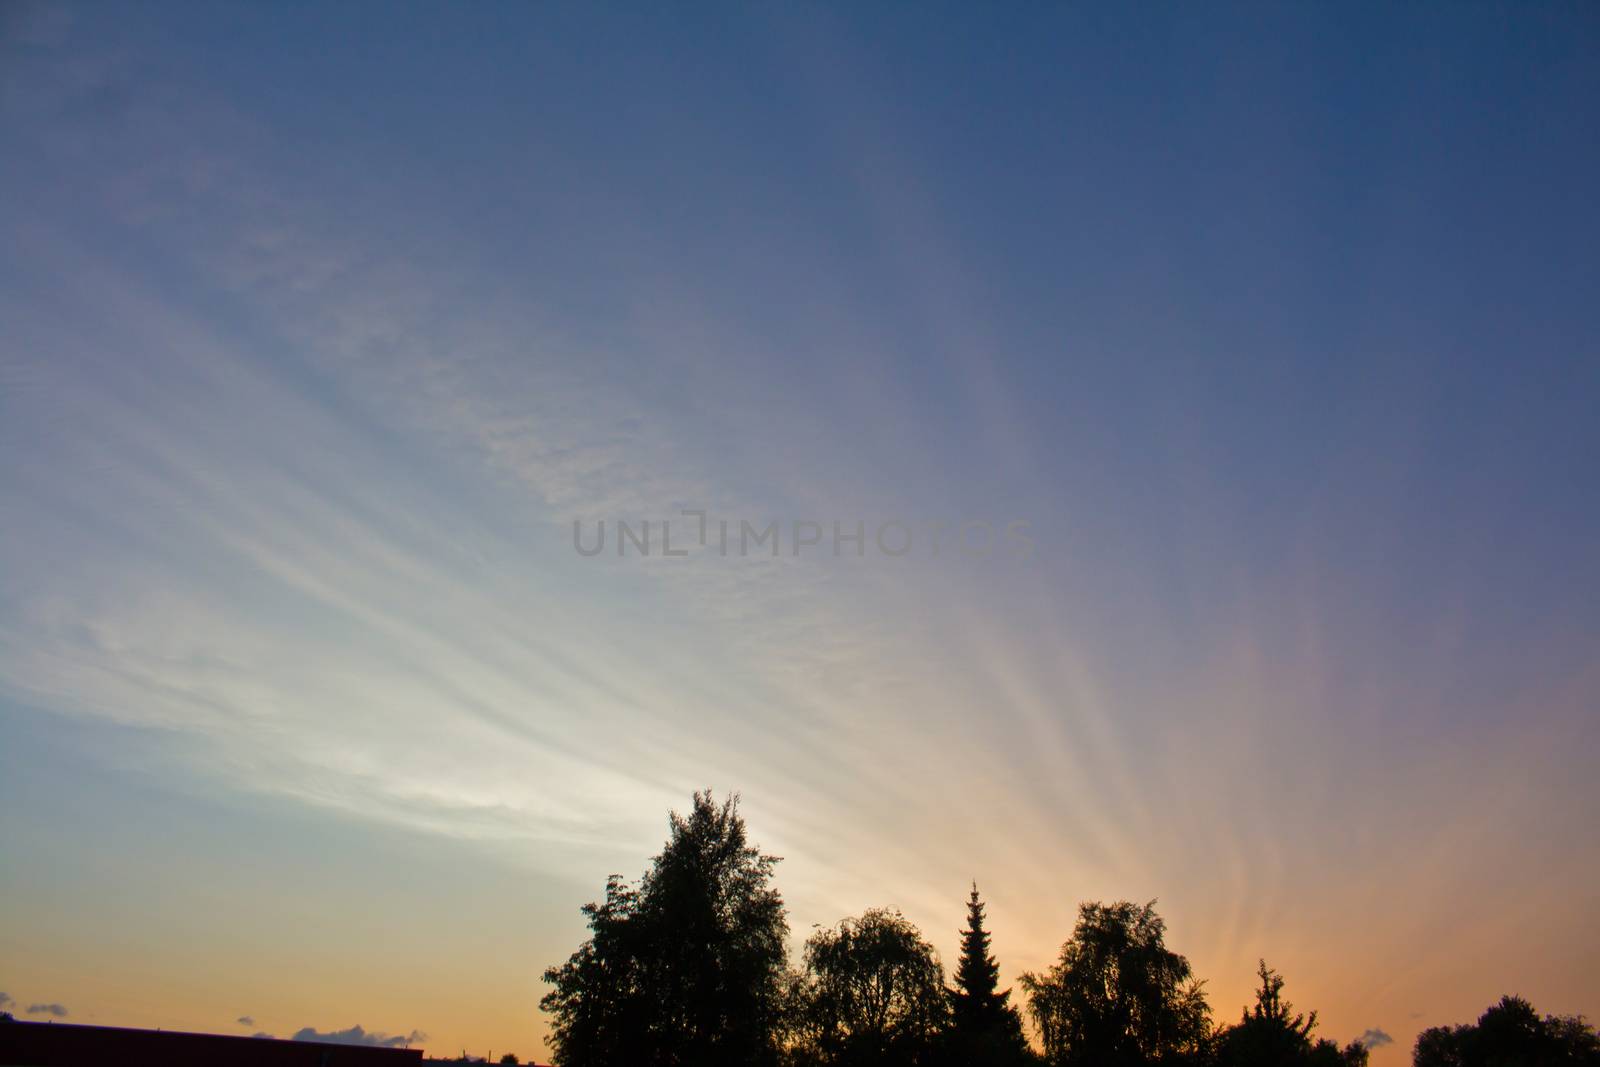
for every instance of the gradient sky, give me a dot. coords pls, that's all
(1277, 324)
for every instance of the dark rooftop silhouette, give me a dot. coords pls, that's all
(69, 1045)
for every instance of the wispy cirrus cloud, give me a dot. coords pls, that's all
(301, 459)
(417, 603)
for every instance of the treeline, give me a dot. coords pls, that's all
(690, 968)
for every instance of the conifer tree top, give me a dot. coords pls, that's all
(977, 973)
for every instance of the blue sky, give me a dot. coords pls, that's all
(1275, 325)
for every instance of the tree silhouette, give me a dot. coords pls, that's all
(685, 970)
(1271, 1034)
(1326, 1053)
(1573, 1039)
(1268, 1033)
(873, 993)
(985, 1028)
(688, 969)
(1438, 1046)
(1509, 1034)
(1118, 997)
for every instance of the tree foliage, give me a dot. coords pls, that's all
(1510, 1034)
(985, 1027)
(686, 969)
(872, 993)
(1118, 997)
(1272, 1034)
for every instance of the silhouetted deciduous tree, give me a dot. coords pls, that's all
(1509, 1034)
(985, 1028)
(1118, 997)
(873, 993)
(688, 969)
(685, 971)
(1437, 1046)
(1326, 1053)
(1574, 1039)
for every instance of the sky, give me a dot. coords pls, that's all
(1214, 387)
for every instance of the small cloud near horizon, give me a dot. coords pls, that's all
(245, 1020)
(5, 998)
(58, 1010)
(357, 1036)
(1374, 1038)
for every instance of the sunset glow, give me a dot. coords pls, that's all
(1196, 407)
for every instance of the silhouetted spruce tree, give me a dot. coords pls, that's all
(985, 1028)
(1272, 1034)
